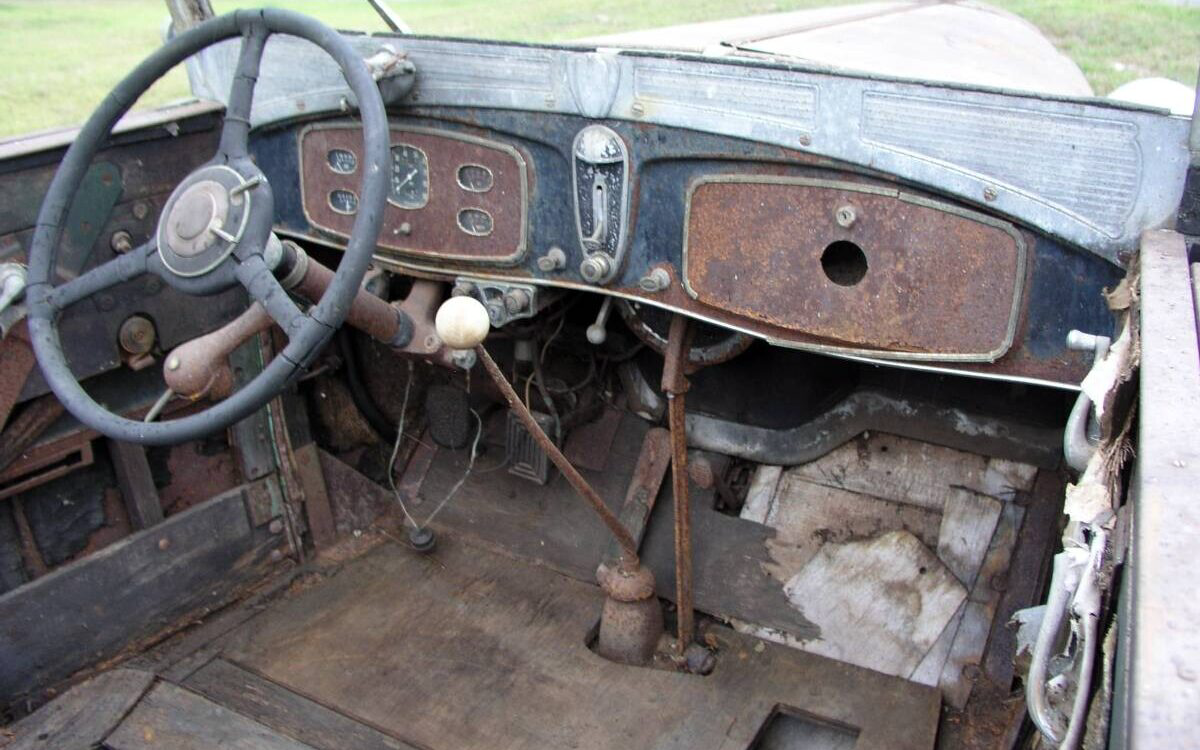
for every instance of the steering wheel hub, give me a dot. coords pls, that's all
(201, 208)
(204, 219)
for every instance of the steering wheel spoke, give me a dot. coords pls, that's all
(235, 131)
(123, 268)
(265, 289)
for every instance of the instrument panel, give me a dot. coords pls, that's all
(774, 244)
(451, 196)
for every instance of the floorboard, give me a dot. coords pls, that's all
(82, 717)
(171, 718)
(285, 711)
(469, 648)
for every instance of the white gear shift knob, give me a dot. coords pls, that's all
(462, 322)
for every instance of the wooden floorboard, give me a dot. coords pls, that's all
(172, 718)
(285, 711)
(467, 648)
(82, 717)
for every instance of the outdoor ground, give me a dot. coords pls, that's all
(61, 56)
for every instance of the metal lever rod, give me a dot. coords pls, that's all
(597, 332)
(198, 368)
(675, 385)
(629, 556)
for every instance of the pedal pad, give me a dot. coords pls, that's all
(526, 458)
(449, 415)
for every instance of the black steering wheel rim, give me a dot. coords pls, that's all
(307, 335)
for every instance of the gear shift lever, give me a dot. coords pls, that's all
(631, 621)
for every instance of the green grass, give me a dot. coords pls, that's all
(61, 56)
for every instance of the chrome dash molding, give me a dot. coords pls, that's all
(1093, 173)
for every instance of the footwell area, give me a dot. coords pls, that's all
(471, 648)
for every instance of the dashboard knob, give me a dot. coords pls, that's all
(462, 322)
(595, 268)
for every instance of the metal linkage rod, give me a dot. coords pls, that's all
(675, 385)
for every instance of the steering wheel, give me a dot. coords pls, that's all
(214, 229)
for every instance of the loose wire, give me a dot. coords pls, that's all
(391, 467)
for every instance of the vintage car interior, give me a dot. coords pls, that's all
(412, 392)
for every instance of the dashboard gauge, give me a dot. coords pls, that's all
(409, 187)
(342, 161)
(475, 178)
(343, 201)
(475, 221)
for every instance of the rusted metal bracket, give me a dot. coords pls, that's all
(643, 490)
(675, 385)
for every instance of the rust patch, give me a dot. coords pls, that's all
(854, 265)
(197, 473)
(18, 359)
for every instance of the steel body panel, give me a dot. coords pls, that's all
(937, 283)
(428, 231)
(1078, 169)
(1062, 286)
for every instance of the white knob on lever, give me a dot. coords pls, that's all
(597, 332)
(462, 322)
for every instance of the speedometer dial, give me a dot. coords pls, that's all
(410, 177)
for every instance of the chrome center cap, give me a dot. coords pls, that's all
(204, 219)
(202, 207)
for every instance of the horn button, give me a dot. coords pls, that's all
(204, 219)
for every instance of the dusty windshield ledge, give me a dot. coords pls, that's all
(1071, 167)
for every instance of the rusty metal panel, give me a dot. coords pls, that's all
(860, 267)
(435, 229)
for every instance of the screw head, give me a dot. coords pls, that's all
(554, 259)
(845, 216)
(516, 301)
(655, 281)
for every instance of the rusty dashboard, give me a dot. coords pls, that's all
(770, 242)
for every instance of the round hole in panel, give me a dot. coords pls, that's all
(844, 263)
